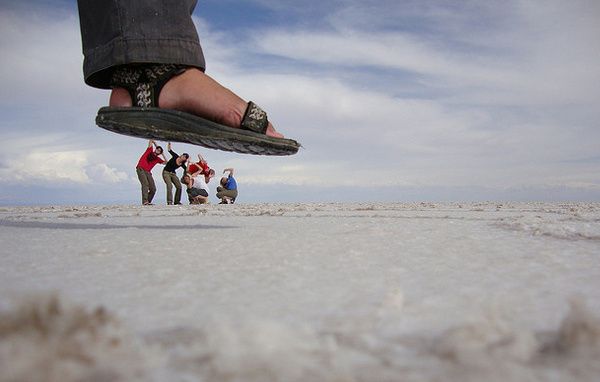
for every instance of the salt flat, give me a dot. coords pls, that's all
(301, 292)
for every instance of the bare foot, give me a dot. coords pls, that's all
(197, 93)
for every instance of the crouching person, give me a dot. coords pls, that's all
(197, 189)
(227, 191)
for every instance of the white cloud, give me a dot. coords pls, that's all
(65, 166)
(102, 173)
(58, 167)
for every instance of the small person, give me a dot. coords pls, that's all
(197, 189)
(150, 158)
(170, 176)
(227, 191)
(201, 167)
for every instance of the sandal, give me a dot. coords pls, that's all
(146, 120)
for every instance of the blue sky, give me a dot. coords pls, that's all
(392, 101)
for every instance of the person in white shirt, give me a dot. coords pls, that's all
(197, 189)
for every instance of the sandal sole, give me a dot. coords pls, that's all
(177, 126)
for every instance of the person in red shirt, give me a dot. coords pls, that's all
(201, 168)
(150, 158)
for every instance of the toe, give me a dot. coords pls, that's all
(271, 132)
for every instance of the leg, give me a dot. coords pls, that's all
(200, 199)
(177, 183)
(222, 192)
(120, 32)
(144, 182)
(190, 198)
(151, 187)
(167, 178)
(233, 194)
(162, 33)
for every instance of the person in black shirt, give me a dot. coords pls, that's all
(170, 176)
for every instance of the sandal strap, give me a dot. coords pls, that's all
(144, 81)
(255, 119)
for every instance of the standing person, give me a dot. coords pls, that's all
(197, 189)
(227, 191)
(169, 174)
(149, 159)
(149, 54)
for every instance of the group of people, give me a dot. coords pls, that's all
(196, 177)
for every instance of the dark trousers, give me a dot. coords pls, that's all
(148, 186)
(171, 180)
(119, 32)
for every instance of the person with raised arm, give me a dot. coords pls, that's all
(201, 168)
(227, 191)
(170, 177)
(150, 158)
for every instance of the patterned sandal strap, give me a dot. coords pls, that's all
(255, 119)
(144, 81)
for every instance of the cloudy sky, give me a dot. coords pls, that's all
(393, 100)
